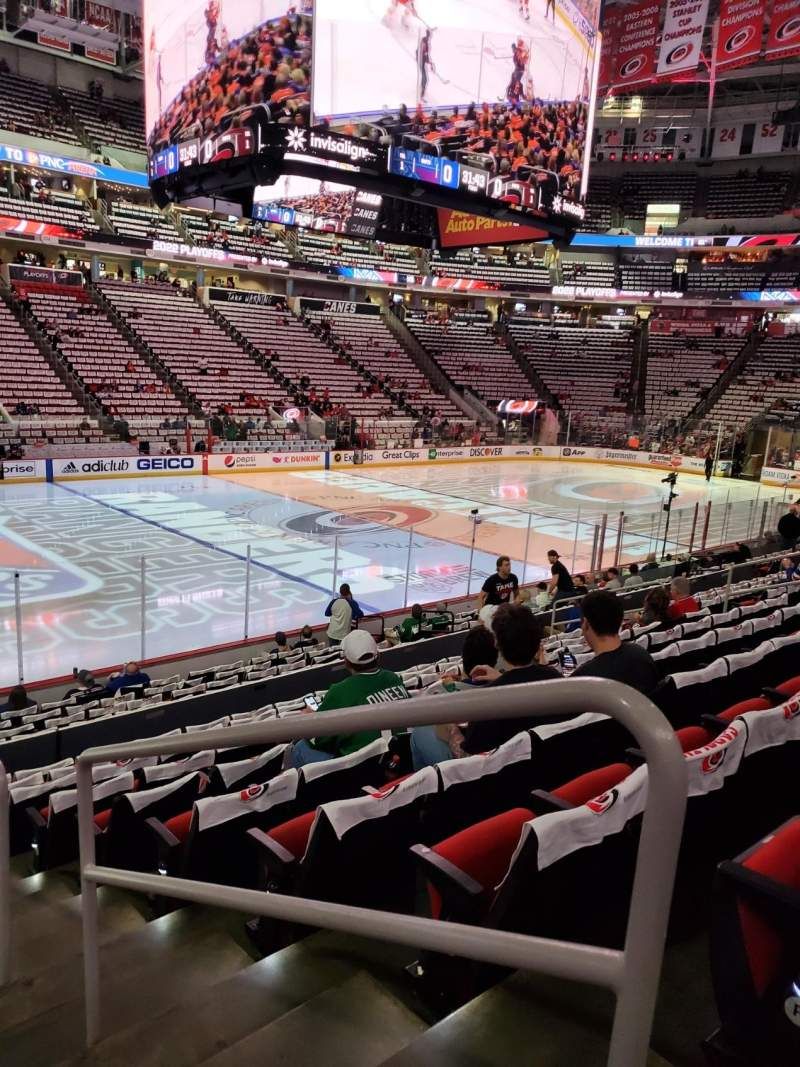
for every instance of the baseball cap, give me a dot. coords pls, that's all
(359, 647)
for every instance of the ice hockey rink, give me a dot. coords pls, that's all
(81, 548)
(470, 49)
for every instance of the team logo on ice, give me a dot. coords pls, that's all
(43, 574)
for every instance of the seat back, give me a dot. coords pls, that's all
(343, 776)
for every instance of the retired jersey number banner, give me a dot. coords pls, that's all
(682, 36)
(635, 58)
(741, 25)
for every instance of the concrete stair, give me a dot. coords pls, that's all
(184, 989)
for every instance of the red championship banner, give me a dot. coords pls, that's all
(741, 25)
(682, 36)
(457, 229)
(783, 38)
(608, 50)
(635, 57)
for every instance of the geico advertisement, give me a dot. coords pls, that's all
(263, 461)
(126, 466)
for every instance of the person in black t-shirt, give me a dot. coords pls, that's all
(620, 661)
(561, 583)
(500, 588)
(518, 634)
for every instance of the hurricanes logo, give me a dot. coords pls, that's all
(713, 761)
(791, 710)
(631, 67)
(738, 41)
(789, 31)
(601, 804)
(679, 54)
(252, 792)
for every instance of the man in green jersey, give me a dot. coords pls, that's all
(410, 629)
(367, 684)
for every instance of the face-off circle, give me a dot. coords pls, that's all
(357, 520)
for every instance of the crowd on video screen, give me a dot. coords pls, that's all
(525, 136)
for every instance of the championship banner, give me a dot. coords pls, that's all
(608, 49)
(783, 38)
(741, 24)
(682, 36)
(635, 57)
(459, 229)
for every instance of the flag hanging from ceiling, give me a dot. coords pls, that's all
(783, 38)
(741, 26)
(682, 36)
(635, 55)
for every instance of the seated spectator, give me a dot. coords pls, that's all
(518, 634)
(367, 684)
(131, 676)
(410, 629)
(306, 638)
(281, 645)
(634, 578)
(433, 744)
(790, 571)
(542, 598)
(343, 611)
(581, 584)
(619, 661)
(655, 607)
(612, 580)
(18, 700)
(682, 601)
(650, 563)
(87, 688)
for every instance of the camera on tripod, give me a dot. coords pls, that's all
(671, 480)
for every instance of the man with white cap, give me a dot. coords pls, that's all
(368, 684)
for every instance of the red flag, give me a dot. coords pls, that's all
(635, 56)
(783, 38)
(741, 25)
(608, 49)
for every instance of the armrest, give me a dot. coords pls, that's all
(548, 802)
(265, 843)
(463, 899)
(166, 839)
(36, 818)
(713, 723)
(773, 694)
(635, 756)
(437, 867)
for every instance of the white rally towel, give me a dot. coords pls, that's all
(376, 748)
(163, 772)
(230, 773)
(767, 729)
(471, 768)
(710, 765)
(140, 799)
(213, 811)
(343, 815)
(68, 798)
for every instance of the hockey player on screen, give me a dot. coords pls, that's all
(524, 9)
(520, 56)
(424, 62)
(406, 7)
(212, 18)
(550, 6)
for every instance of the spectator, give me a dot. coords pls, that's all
(619, 661)
(790, 571)
(612, 580)
(432, 744)
(580, 583)
(650, 563)
(17, 700)
(682, 601)
(655, 607)
(634, 578)
(499, 588)
(306, 638)
(561, 583)
(518, 634)
(789, 527)
(342, 611)
(367, 684)
(281, 645)
(87, 688)
(410, 629)
(131, 676)
(542, 596)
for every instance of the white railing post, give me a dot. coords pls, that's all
(5, 882)
(728, 585)
(575, 542)
(18, 624)
(335, 563)
(408, 565)
(143, 606)
(527, 545)
(474, 520)
(618, 545)
(91, 962)
(247, 568)
(601, 544)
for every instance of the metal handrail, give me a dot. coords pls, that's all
(633, 973)
(5, 882)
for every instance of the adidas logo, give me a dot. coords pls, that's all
(70, 469)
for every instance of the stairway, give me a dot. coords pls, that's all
(185, 989)
(543, 392)
(737, 367)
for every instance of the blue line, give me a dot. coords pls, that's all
(200, 541)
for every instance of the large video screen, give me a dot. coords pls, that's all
(478, 98)
(316, 205)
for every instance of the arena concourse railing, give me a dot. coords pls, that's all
(632, 973)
